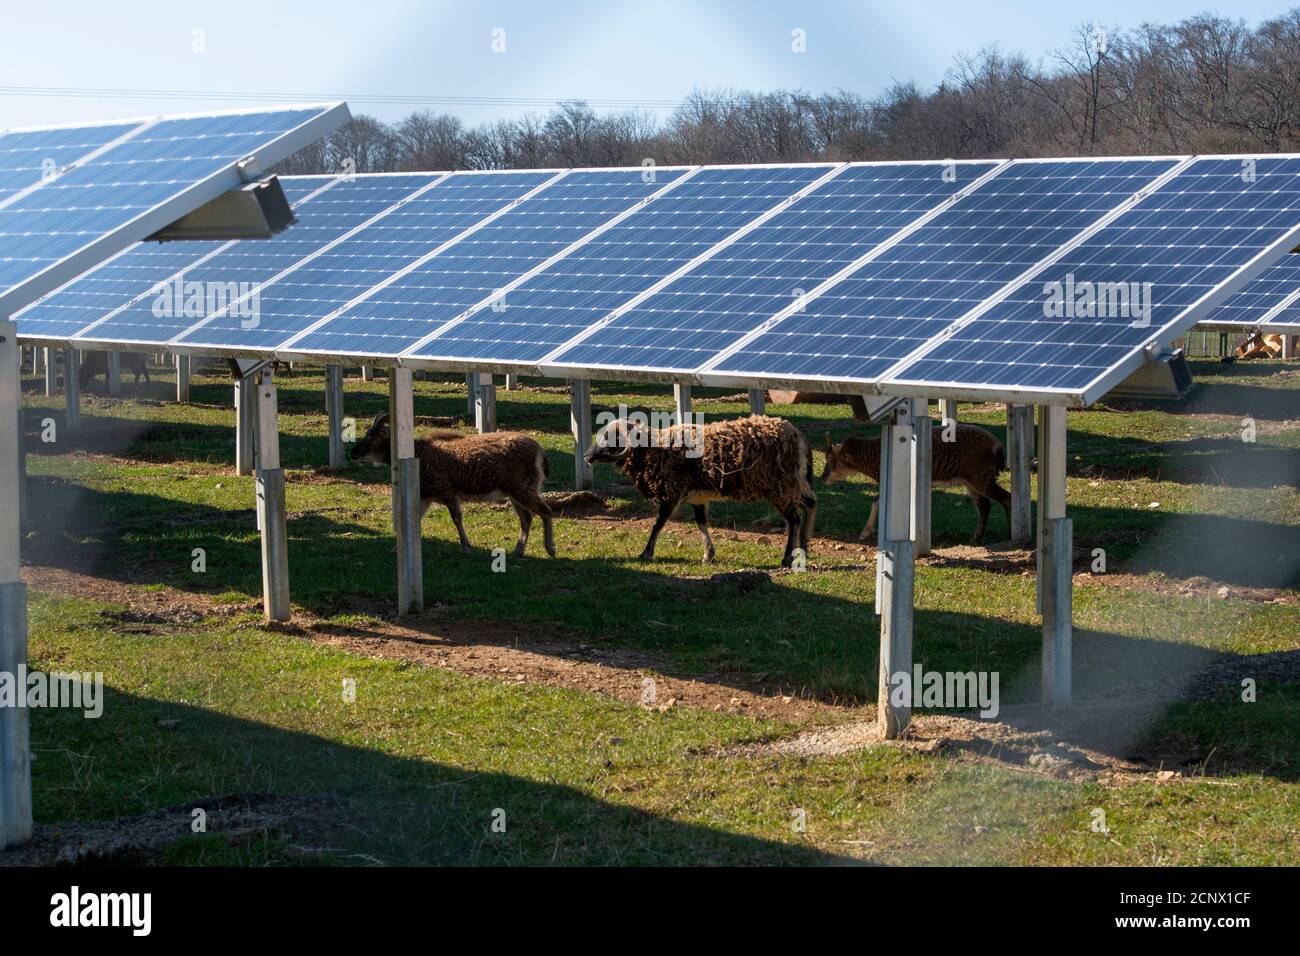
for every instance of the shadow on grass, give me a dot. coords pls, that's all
(398, 810)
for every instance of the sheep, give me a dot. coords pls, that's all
(455, 468)
(96, 363)
(974, 458)
(748, 459)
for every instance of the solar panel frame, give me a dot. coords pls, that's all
(457, 363)
(895, 383)
(82, 339)
(288, 352)
(554, 366)
(708, 376)
(328, 117)
(1280, 313)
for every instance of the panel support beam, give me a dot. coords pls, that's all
(183, 379)
(72, 389)
(485, 405)
(681, 404)
(113, 373)
(51, 372)
(922, 458)
(512, 382)
(245, 417)
(1055, 559)
(757, 401)
(367, 373)
(580, 426)
(1020, 457)
(895, 589)
(471, 400)
(948, 410)
(38, 360)
(15, 739)
(405, 492)
(271, 512)
(334, 412)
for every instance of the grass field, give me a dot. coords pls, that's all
(519, 697)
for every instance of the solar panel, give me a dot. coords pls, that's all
(315, 288)
(131, 275)
(240, 268)
(1217, 221)
(1269, 293)
(917, 287)
(27, 157)
(585, 286)
(400, 314)
(751, 280)
(142, 181)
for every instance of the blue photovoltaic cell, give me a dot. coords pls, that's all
(126, 181)
(749, 281)
(28, 155)
(1187, 237)
(474, 269)
(915, 289)
(247, 264)
(598, 277)
(136, 272)
(1251, 304)
(317, 288)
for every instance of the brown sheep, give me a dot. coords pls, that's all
(747, 459)
(974, 458)
(96, 363)
(455, 467)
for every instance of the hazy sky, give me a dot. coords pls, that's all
(616, 51)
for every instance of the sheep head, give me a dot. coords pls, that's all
(374, 445)
(835, 467)
(613, 442)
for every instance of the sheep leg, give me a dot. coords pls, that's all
(792, 523)
(809, 517)
(539, 507)
(453, 506)
(870, 529)
(702, 522)
(525, 523)
(1002, 497)
(666, 509)
(983, 504)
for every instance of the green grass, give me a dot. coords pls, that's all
(424, 756)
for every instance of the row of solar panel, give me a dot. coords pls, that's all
(1043, 275)
(65, 190)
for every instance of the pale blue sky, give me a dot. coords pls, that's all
(630, 50)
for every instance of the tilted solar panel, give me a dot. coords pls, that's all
(133, 274)
(29, 156)
(1218, 220)
(916, 288)
(599, 276)
(326, 212)
(480, 266)
(316, 288)
(1266, 294)
(749, 281)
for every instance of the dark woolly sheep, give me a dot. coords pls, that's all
(456, 468)
(974, 458)
(96, 363)
(747, 459)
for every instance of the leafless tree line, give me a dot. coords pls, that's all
(1205, 84)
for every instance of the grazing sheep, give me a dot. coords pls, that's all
(456, 467)
(747, 459)
(96, 363)
(974, 458)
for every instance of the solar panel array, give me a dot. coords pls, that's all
(1271, 303)
(906, 278)
(73, 196)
